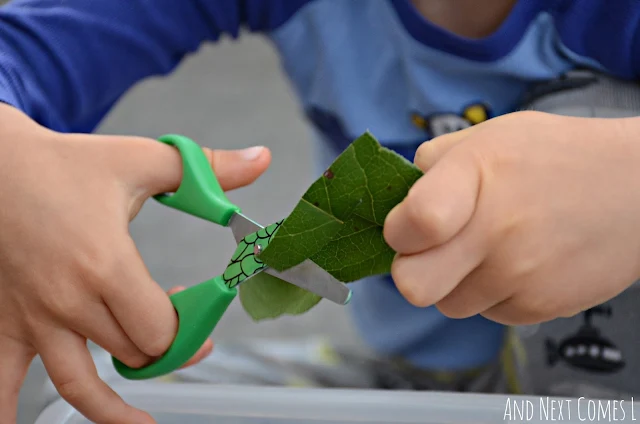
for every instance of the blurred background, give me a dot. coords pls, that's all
(229, 95)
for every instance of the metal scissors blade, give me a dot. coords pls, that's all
(241, 226)
(311, 277)
(306, 275)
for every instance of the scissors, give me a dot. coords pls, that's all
(201, 307)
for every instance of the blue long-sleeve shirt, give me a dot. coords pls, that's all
(355, 65)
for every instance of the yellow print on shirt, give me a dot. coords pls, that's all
(444, 123)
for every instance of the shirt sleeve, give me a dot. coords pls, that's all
(605, 31)
(66, 62)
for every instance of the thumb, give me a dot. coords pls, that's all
(233, 168)
(156, 167)
(238, 168)
(432, 151)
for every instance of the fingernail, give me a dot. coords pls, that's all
(252, 153)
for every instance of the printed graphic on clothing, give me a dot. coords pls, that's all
(587, 349)
(434, 124)
(438, 124)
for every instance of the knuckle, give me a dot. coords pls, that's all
(411, 288)
(65, 304)
(470, 297)
(452, 309)
(511, 266)
(415, 296)
(72, 390)
(521, 268)
(530, 115)
(530, 309)
(423, 155)
(498, 162)
(97, 267)
(422, 149)
(489, 160)
(429, 219)
(519, 117)
(134, 360)
(156, 346)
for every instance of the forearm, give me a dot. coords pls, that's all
(66, 63)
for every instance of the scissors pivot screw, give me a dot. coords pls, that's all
(257, 249)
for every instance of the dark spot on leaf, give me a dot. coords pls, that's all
(356, 229)
(328, 174)
(389, 188)
(316, 204)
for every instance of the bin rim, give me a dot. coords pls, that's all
(340, 405)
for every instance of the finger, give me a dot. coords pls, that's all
(437, 206)
(432, 151)
(426, 278)
(528, 307)
(478, 292)
(508, 312)
(103, 329)
(73, 373)
(16, 358)
(141, 307)
(176, 289)
(157, 167)
(205, 349)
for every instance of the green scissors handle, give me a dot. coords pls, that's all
(199, 193)
(199, 307)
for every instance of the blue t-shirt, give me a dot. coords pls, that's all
(355, 65)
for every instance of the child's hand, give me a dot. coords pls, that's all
(69, 270)
(523, 219)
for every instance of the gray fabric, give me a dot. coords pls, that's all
(585, 94)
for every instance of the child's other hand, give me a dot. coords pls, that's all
(69, 270)
(523, 219)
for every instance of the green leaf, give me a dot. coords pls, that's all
(337, 224)
(265, 296)
(358, 251)
(309, 223)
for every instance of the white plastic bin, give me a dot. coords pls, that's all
(206, 404)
